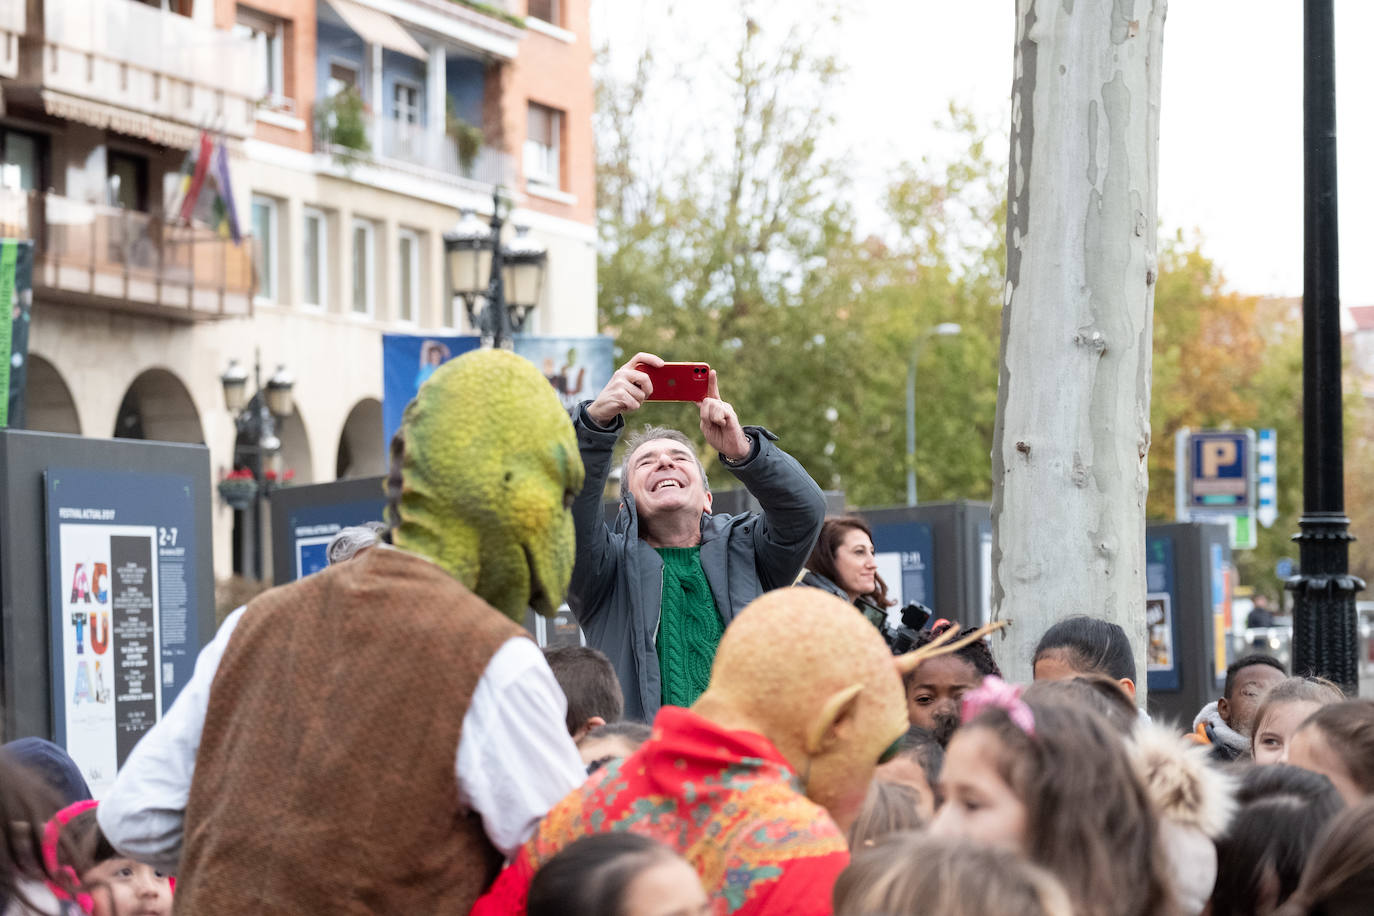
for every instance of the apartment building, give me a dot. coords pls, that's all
(356, 132)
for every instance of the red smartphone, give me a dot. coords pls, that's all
(678, 381)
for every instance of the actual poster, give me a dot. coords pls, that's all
(124, 640)
(110, 651)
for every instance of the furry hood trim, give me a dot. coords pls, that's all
(1184, 785)
(1221, 732)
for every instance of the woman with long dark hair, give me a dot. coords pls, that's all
(843, 563)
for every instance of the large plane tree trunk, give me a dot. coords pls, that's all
(1073, 405)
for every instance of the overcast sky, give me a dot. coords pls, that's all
(1230, 123)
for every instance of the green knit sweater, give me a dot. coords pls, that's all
(689, 628)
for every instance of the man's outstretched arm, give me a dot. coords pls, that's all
(793, 510)
(598, 424)
(793, 504)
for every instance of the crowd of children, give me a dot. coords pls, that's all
(1060, 799)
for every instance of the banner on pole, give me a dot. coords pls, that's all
(16, 306)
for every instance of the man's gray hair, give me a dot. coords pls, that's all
(352, 541)
(645, 435)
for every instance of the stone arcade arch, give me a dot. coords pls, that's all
(361, 450)
(296, 454)
(48, 403)
(158, 406)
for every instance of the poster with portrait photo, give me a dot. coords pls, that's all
(1159, 629)
(577, 367)
(408, 360)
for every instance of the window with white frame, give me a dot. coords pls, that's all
(265, 237)
(543, 143)
(315, 263)
(406, 101)
(266, 34)
(364, 267)
(408, 275)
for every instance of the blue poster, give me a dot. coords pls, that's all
(121, 592)
(577, 367)
(309, 530)
(1163, 668)
(407, 360)
(906, 561)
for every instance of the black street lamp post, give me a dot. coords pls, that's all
(507, 279)
(1325, 629)
(255, 420)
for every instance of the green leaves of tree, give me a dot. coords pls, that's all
(746, 255)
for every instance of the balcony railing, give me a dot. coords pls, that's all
(138, 58)
(430, 149)
(125, 260)
(412, 147)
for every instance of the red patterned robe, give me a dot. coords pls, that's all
(727, 801)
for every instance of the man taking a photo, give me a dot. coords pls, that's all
(656, 590)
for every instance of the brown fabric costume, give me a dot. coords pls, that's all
(325, 779)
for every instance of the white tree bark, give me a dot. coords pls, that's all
(1073, 403)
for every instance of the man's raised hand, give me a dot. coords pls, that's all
(625, 392)
(720, 426)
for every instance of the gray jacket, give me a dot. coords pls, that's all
(617, 580)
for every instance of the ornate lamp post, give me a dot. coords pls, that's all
(1326, 636)
(256, 420)
(499, 284)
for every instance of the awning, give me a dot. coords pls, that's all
(378, 28)
(119, 120)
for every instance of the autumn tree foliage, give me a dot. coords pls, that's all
(740, 248)
(1223, 359)
(737, 245)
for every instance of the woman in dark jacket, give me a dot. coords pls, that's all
(844, 564)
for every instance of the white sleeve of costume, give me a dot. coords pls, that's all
(516, 759)
(144, 816)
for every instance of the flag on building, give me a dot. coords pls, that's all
(188, 203)
(182, 185)
(226, 193)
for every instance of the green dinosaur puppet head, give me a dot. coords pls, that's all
(488, 468)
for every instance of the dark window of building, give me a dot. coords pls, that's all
(23, 159)
(547, 10)
(127, 181)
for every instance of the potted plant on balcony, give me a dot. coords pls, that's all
(238, 488)
(468, 138)
(341, 124)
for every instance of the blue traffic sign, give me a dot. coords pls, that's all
(1219, 470)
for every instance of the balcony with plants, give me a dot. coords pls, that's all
(347, 128)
